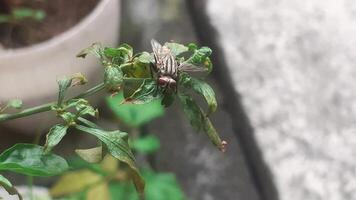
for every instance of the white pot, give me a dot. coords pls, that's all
(30, 73)
(38, 192)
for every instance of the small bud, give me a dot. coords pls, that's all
(78, 79)
(97, 113)
(72, 123)
(223, 146)
(113, 78)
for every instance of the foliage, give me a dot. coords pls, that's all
(84, 183)
(160, 186)
(134, 115)
(31, 160)
(9, 187)
(14, 103)
(20, 14)
(147, 144)
(136, 99)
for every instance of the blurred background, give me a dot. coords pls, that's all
(284, 74)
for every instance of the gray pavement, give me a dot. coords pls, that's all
(292, 63)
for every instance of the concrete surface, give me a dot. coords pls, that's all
(293, 65)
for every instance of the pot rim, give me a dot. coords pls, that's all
(60, 38)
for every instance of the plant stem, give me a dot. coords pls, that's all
(91, 91)
(27, 112)
(30, 187)
(47, 107)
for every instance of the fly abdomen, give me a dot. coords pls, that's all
(170, 66)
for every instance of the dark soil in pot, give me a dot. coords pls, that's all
(60, 15)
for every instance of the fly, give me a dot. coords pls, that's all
(167, 67)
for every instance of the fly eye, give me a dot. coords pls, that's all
(173, 84)
(162, 82)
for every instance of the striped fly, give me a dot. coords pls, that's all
(167, 66)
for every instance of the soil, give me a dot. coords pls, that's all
(60, 16)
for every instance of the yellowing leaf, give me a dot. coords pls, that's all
(109, 164)
(73, 182)
(93, 155)
(99, 192)
(136, 69)
(95, 49)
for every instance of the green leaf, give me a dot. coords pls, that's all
(31, 160)
(148, 144)
(139, 68)
(22, 13)
(192, 111)
(134, 115)
(162, 186)
(93, 155)
(200, 57)
(140, 91)
(39, 15)
(192, 46)
(5, 18)
(200, 121)
(76, 163)
(159, 186)
(95, 49)
(145, 57)
(176, 49)
(86, 109)
(82, 106)
(6, 184)
(15, 103)
(210, 130)
(88, 123)
(63, 85)
(68, 117)
(54, 136)
(113, 78)
(117, 145)
(123, 191)
(201, 88)
(119, 55)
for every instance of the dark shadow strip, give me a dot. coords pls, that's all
(207, 35)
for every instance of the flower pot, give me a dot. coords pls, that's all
(30, 73)
(37, 192)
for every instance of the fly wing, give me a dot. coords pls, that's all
(156, 47)
(187, 67)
